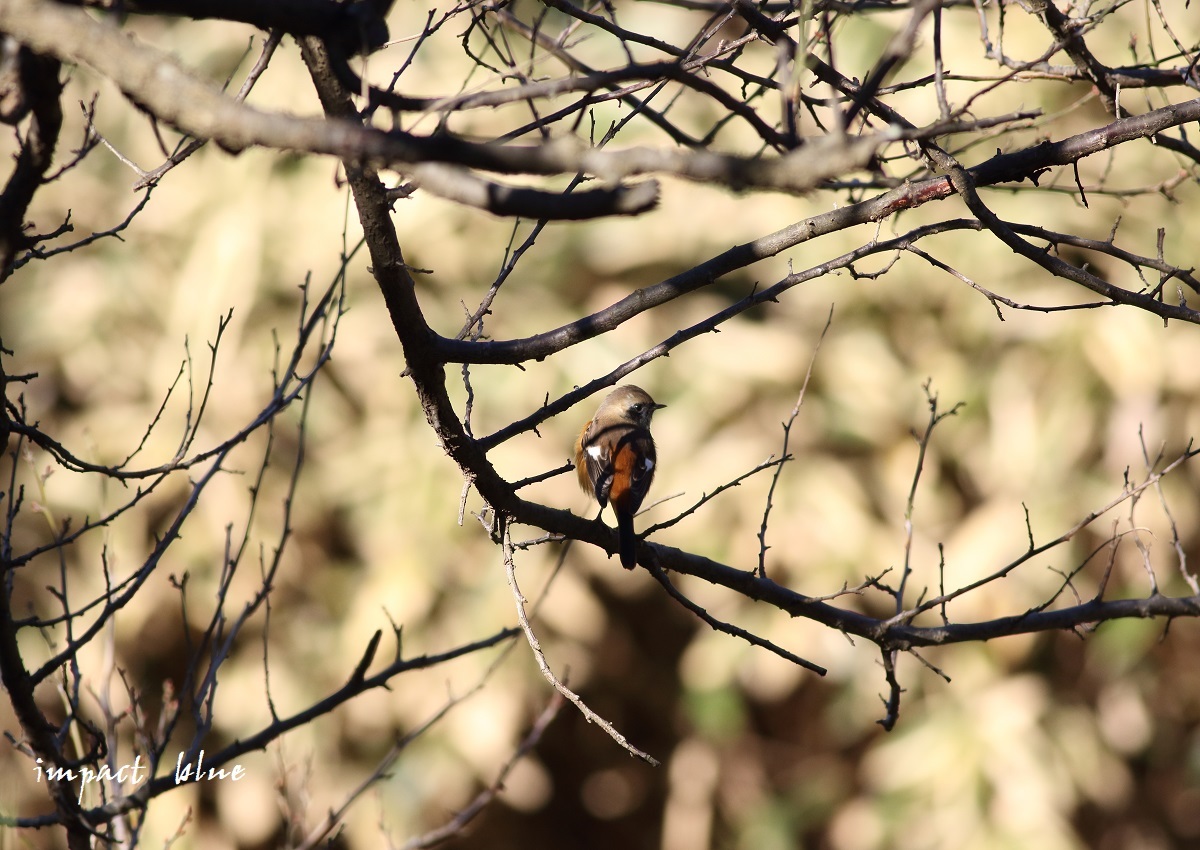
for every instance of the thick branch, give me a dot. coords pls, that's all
(353, 26)
(161, 85)
(175, 96)
(888, 634)
(1068, 32)
(39, 90)
(1002, 168)
(905, 636)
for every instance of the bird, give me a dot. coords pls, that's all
(615, 458)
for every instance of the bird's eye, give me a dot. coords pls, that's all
(637, 407)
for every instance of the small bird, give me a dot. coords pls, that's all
(614, 459)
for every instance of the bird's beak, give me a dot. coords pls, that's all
(659, 406)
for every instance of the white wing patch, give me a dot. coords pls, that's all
(594, 452)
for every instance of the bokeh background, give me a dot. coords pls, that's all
(1045, 741)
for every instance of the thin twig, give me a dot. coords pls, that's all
(783, 450)
(510, 569)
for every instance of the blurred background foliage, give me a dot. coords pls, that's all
(1048, 741)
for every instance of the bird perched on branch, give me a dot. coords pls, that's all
(614, 459)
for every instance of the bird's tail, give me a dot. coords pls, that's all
(626, 540)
